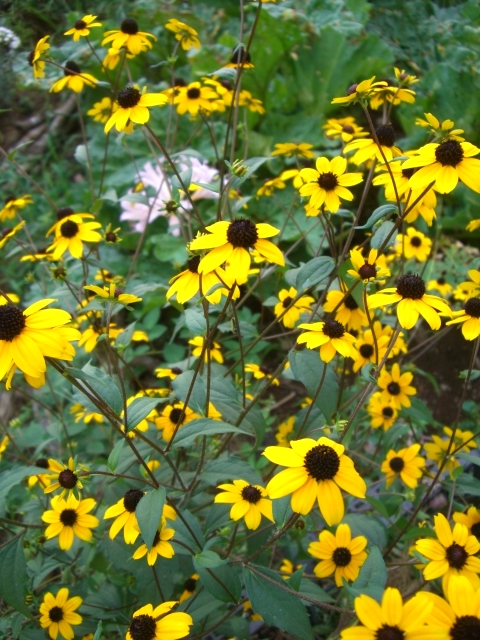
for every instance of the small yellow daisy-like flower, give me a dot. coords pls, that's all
(187, 36)
(395, 94)
(194, 98)
(81, 413)
(392, 619)
(188, 283)
(82, 27)
(381, 412)
(404, 463)
(367, 149)
(73, 79)
(254, 105)
(70, 236)
(260, 371)
(128, 36)
(289, 149)
(284, 432)
(360, 91)
(437, 450)
(345, 128)
(396, 387)
(4, 445)
(169, 420)
(453, 554)
(65, 477)
(470, 288)
(168, 372)
(413, 301)
(35, 58)
(160, 546)
(240, 58)
(365, 268)
(413, 244)
(57, 614)
(133, 107)
(298, 181)
(371, 346)
(8, 234)
(153, 623)
(113, 294)
(471, 520)
(440, 285)
(470, 319)
(340, 554)
(346, 308)
(317, 470)
(443, 130)
(124, 513)
(69, 518)
(101, 111)
(291, 317)
(473, 225)
(249, 502)
(327, 183)
(230, 242)
(12, 205)
(189, 587)
(269, 186)
(331, 337)
(288, 568)
(212, 353)
(43, 479)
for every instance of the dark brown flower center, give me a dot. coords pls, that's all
(69, 229)
(42, 462)
(111, 236)
(476, 530)
(190, 585)
(63, 212)
(411, 286)
(175, 415)
(131, 499)
(348, 128)
(251, 494)
(67, 479)
(387, 412)
(176, 370)
(9, 199)
(193, 93)
(71, 68)
(333, 329)
(352, 89)
(327, 181)
(179, 82)
(416, 241)
(55, 614)
(68, 517)
(386, 632)
(342, 557)
(226, 84)
(408, 173)
(287, 302)
(456, 556)
(192, 264)
(366, 351)
(240, 56)
(472, 307)
(393, 388)
(396, 464)
(386, 135)
(367, 271)
(30, 58)
(449, 153)
(129, 26)
(466, 628)
(143, 628)
(80, 24)
(350, 303)
(128, 97)
(5, 232)
(242, 233)
(441, 280)
(12, 322)
(156, 539)
(322, 462)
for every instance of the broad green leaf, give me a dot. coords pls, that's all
(188, 530)
(295, 580)
(181, 386)
(139, 409)
(381, 235)
(368, 526)
(205, 427)
(149, 513)
(115, 454)
(222, 580)
(195, 322)
(98, 632)
(372, 578)
(313, 272)
(308, 368)
(13, 576)
(378, 215)
(229, 468)
(209, 559)
(101, 383)
(14, 476)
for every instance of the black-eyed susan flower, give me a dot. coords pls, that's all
(81, 413)
(291, 316)
(73, 79)
(392, 619)
(3, 445)
(269, 186)
(444, 164)
(160, 546)
(186, 35)
(346, 308)
(35, 58)
(381, 412)
(340, 554)
(28, 337)
(195, 97)
(168, 372)
(70, 236)
(317, 470)
(396, 387)
(65, 477)
(437, 450)
(82, 27)
(57, 614)
(260, 372)
(440, 285)
(246, 99)
(8, 233)
(188, 283)
(326, 184)
(113, 294)
(290, 149)
(393, 94)
(69, 518)
(43, 479)
(371, 346)
(189, 587)
(345, 128)
(365, 268)
(471, 520)
(470, 319)
(240, 57)
(12, 205)
(124, 513)
(288, 568)
(367, 148)
(132, 106)
(248, 501)
(413, 301)
(360, 91)
(128, 36)
(285, 432)
(413, 244)
(452, 554)
(101, 111)
(443, 130)
(231, 241)
(213, 352)
(152, 623)
(9, 298)
(469, 288)
(331, 337)
(405, 464)
(173, 417)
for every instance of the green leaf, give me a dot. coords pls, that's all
(195, 322)
(205, 427)
(125, 338)
(138, 410)
(378, 215)
(313, 272)
(115, 453)
(381, 234)
(308, 368)
(277, 607)
(222, 580)
(372, 578)
(209, 187)
(209, 559)
(281, 510)
(13, 576)
(149, 513)
(469, 458)
(101, 383)
(188, 530)
(14, 476)
(418, 411)
(368, 526)
(312, 590)
(475, 374)
(181, 386)
(295, 580)
(98, 632)
(229, 468)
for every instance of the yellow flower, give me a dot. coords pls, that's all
(169, 420)
(81, 413)
(396, 387)
(302, 305)
(289, 149)
(73, 79)
(101, 111)
(124, 513)
(473, 225)
(188, 283)
(470, 317)
(249, 502)
(297, 179)
(393, 94)
(451, 555)
(12, 205)
(65, 477)
(326, 185)
(189, 587)
(288, 568)
(35, 58)
(471, 288)
(82, 27)
(113, 294)
(347, 310)
(285, 429)
(194, 98)
(471, 520)
(240, 57)
(360, 91)
(7, 234)
(440, 285)
(443, 130)
(160, 546)
(317, 470)
(345, 128)
(212, 353)
(70, 235)
(128, 36)
(368, 149)
(70, 518)
(169, 627)
(413, 301)
(340, 554)
(268, 187)
(133, 107)
(404, 463)
(43, 479)
(168, 372)
(331, 337)
(260, 372)
(230, 242)
(187, 36)
(57, 614)
(4, 445)
(381, 412)
(245, 99)
(413, 244)
(371, 347)
(365, 268)
(437, 450)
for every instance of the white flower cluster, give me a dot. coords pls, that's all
(8, 39)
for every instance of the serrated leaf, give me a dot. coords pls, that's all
(13, 576)
(378, 215)
(149, 513)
